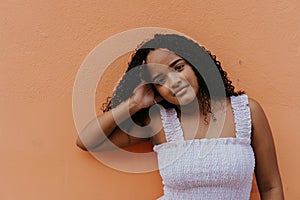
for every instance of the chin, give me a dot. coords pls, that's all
(187, 101)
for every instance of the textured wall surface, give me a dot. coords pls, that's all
(43, 43)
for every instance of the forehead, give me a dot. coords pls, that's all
(161, 56)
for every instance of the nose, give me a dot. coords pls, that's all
(174, 80)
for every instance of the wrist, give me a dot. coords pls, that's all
(133, 105)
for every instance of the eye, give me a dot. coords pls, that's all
(179, 67)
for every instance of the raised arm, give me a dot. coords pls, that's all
(91, 138)
(266, 167)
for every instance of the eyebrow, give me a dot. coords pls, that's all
(171, 65)
(156, 76)
(175, 62)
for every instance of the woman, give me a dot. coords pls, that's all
(208, 137)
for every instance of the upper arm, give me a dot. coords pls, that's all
(139, 133)
(266, 167)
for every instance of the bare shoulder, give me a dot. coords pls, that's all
(261, 139)
(154, 118)
(257, 112)
(254, 105)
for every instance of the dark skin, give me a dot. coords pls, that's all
(266, 167)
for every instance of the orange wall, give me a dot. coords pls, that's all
(42, 45)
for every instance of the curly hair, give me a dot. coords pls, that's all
(203, 63)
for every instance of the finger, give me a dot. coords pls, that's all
(140, 85)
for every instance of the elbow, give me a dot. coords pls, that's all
(83, 146)
(273, 193)
(80, 144)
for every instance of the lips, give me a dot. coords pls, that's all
(180, 91)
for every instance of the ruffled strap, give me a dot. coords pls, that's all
(242, 117)
(171, 124)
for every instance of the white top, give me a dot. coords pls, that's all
(216, 168)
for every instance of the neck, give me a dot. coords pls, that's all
(193, 108)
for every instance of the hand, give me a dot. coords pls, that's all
(143, 96)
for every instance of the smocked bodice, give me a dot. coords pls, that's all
(216, 168)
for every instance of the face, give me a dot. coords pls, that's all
(172, 76)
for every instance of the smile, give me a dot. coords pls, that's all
(181, 91)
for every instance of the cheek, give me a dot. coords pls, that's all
(163, 91)
(196, 84)
(196, 87)
(193, 80)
